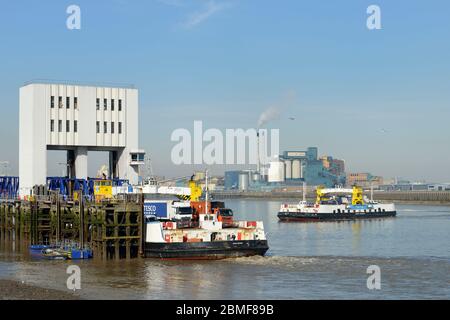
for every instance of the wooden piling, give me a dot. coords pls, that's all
(112, 229)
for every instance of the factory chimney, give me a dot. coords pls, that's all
(258, 163)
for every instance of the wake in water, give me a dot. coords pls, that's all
(288, 262)
(425, 210)
(322, 262)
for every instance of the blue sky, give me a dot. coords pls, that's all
(378, 99)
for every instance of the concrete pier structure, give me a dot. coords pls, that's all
(81, 163)
(78, 119)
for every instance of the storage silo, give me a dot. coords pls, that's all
(302, 169)
(243, 181)
(276, 171)
(296, 169)
(288, 169)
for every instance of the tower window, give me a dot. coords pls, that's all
(75, 126)
(60, 104)
(120, 127)
(59, 125)
(105, 104)
(67, 126)
(98, 127)
(112, 127)
(67, 102)
(52, 101)
(97, 104)
(120, 104)
(112, 104)
(52, 125)
(75, 103)
(105, 127)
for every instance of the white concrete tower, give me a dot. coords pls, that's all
(79, 119)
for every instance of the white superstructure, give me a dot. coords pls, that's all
(78, 119)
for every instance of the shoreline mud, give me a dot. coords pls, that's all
(16, 290)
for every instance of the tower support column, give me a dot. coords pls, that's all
(81, 163)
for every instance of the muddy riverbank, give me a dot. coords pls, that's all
(15, 290)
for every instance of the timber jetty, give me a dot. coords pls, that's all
(112, 229)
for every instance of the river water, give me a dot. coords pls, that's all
(327, 260)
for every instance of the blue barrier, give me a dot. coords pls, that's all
(66, 185)
(9, 187)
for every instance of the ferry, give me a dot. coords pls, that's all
(199, 230)
(336, 204)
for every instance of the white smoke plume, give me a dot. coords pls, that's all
(269, 114)
(274, 112)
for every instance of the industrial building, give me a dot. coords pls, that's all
(291, 168)
(77, 119)
(294, 166)
(364, 180)
(335, 166)
(245, 180)
(414, 186)
(232, 180)
(439, 187)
